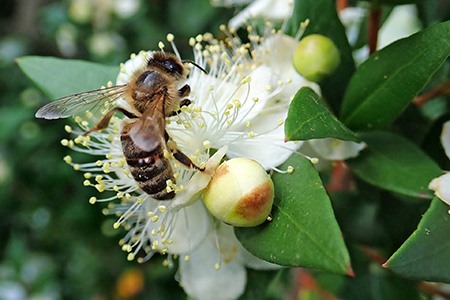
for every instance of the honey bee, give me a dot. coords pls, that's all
(152, 94)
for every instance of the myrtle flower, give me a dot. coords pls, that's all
(273, 10)
(237, 110)
(441, 184)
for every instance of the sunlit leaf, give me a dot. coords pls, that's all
(60, 77)
(426, 253)
(386, 83)
(303, 231)
(395, 164)
(309, 118)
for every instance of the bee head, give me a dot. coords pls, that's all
(168, 63)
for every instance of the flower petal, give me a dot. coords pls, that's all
(276, 52)
(202, 280)
(445, 138)
(198, 182)
(441, 187)
(256, 263)
(272, 9)
(184, 229)
(334, 149)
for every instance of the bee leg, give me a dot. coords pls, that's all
(104, 122)
(184, 102)
(184, 91)
(180, 156)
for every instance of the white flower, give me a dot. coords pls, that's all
(441, 184)
(238, 109)
(334, 149)
(275, 10)
(351, 18)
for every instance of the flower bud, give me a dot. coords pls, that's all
(316, 57)
(240, 193)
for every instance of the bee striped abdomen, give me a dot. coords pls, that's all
(151, 170)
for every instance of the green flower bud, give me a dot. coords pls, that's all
(316, 57)
(240, 193)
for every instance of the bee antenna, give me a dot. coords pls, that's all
(196, 65)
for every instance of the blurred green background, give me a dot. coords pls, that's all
(53, 243)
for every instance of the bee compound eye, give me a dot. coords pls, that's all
(172, 67)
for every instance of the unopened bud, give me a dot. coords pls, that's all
(316, 57)
(240, 193)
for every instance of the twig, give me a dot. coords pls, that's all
(341, 178)
(341, 4)
(374, 26)
(436, 92)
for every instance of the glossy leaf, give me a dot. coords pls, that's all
(323, 19)
(395, 164)
(60, 77)
(398, 2)
(309, 118)
(386, 83)
(426, 253)
(303, 231)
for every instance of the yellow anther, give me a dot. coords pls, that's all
(106, 166)
(86, 183)
(206, 144)
(92, 200)
(290, 169)
(68, 159)
(100, 187)
(170, 37)
(68, 129)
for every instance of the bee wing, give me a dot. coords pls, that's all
(92, 101)
(148, 132)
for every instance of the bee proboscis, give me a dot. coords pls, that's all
(152, 94)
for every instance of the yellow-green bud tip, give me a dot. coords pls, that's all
(316, 57)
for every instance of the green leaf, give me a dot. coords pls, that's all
(386, 83)
(259, 283)
(398, 2)
(323, 19)
(426, 253)
(303, 231)
(60, 77)
(309, 118)
(395, 164)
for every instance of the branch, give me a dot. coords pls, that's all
(374, 26)
(440, 90)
